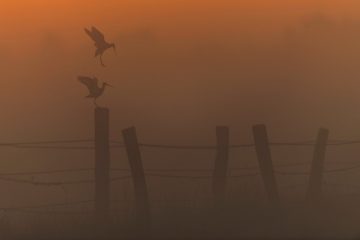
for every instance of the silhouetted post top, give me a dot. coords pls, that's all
(260, 126)
(102, 109)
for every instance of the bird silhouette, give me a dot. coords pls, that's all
(92, 84)
(100, 43)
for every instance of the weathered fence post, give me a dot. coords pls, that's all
(221, 165)
(265, 163)
(143, 217)
(317, 168)
(102, 165)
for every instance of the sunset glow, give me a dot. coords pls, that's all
(194, 77)
(164, 40)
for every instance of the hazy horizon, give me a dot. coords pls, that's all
(182, 65)
(182, 68)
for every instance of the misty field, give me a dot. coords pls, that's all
(191, 191)
(181, 215)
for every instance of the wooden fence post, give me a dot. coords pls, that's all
(143, 217)
(265, 163)
(102, 165)
(317, 168)
(221, 165)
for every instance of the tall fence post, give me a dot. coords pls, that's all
(265, 163)
(221, 165)
(317, 168)
(143, 217)
(102, 165)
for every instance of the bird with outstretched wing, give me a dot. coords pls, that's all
(100, 43)
(92, 84)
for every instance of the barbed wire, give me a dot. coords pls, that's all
(62, 147)
(344, 169)
(247, 145)
(49, 205)
(58, 183)
(149, 170)
(62, 183)
(336, 170)
(47, 142)
(178, 176)
(344, 143)
(154, 171)
(50, 212)
(119, 144)
(292, 186)
(32, 208)
(47, 172)
(245, 175)
(291, 173)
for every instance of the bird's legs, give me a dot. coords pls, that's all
(95, 103)
(101, 61)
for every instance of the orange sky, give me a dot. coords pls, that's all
(183, 67)
(169, 49)
(25, 16)
(25, 21)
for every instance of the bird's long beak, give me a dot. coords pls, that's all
(109, 85)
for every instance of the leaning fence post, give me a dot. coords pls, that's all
(138, 176)
(102, 165)
(316, 175)
(265, 162)
(221, 165)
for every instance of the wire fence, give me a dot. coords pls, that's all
(169, 173)
(54, 144)
(155, 172)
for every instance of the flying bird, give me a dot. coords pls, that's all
(92, 84)
(100, 43)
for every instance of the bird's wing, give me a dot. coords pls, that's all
(95, 34)
(90, 83)
(89, 33)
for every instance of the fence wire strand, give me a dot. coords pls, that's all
(54, 144)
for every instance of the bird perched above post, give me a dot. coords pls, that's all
(92, 84)
(100, 43)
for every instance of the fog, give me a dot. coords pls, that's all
(182, 68)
